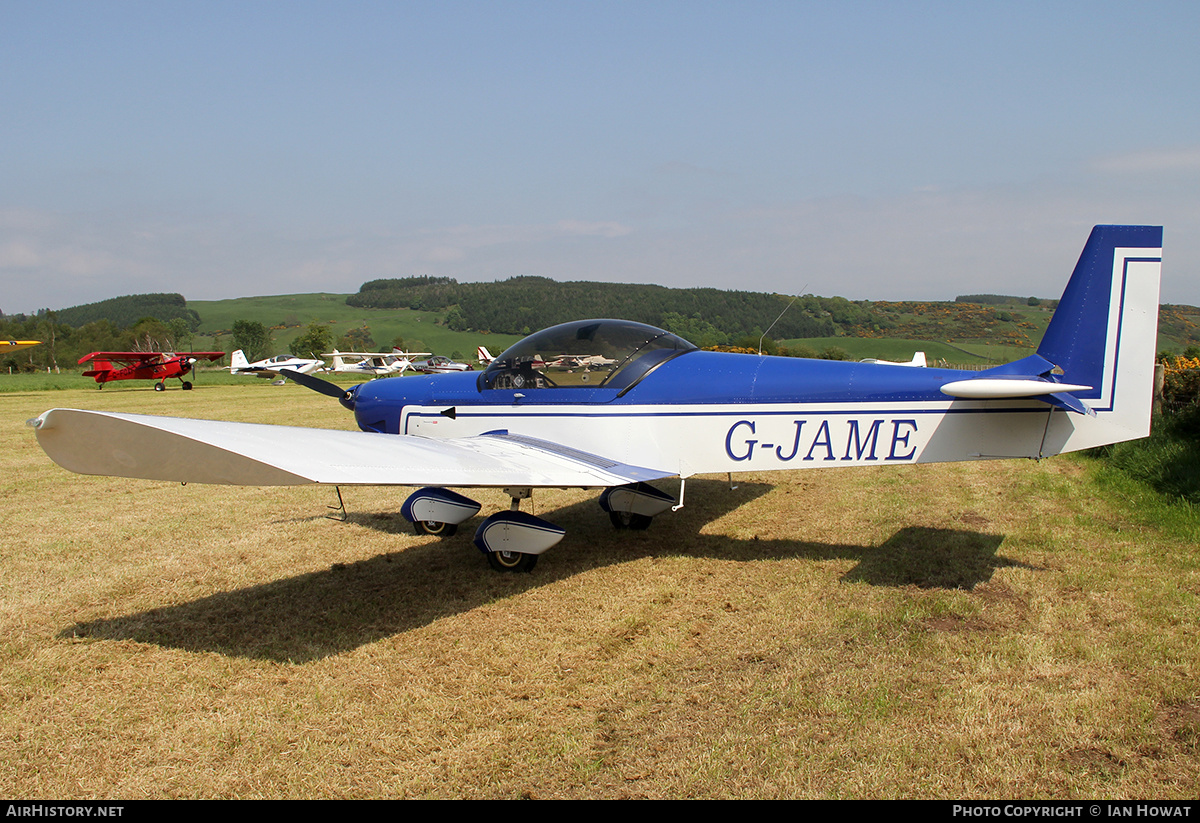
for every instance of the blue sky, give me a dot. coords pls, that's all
(881, 150)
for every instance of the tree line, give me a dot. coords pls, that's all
(136, 322)
(63, 344)
(521, 305)
(128, 310)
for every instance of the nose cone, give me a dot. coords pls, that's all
(378, 404)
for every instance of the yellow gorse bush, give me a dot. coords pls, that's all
(1182, 383)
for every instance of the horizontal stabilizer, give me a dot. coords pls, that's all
(1069, 402)
(1001, 388)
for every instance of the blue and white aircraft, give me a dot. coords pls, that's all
(665, 409)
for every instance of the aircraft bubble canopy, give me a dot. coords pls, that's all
(595, 353)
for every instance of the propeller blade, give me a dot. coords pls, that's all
(318, 385)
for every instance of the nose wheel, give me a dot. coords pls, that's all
(629, 520)
(506, 561)
(435, 528)
(512, 540)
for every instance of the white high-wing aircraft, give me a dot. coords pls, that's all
(272, 366)
(440, 365)
(377, 364)
(563, 361)
(667, 409)
(918, 361)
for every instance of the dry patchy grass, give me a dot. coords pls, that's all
(975, 630)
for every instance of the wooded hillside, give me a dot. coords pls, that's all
(128, 310)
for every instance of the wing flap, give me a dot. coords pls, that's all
(248, 454)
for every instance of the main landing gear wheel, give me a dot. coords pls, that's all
(512, 540)
(435, 528)
(159, 387)
(629, 520)
(187, 386)
(512, 561)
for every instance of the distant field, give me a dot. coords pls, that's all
(887, 348)
(294, 312)
(71, 380)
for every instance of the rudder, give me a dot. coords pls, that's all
(1104, 332)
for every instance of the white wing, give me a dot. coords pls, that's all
(251, 454)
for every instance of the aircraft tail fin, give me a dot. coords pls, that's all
(238, 361)
(485, 357)
(1104, 333)
(100, 370)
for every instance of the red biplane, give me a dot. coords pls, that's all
(144, 365)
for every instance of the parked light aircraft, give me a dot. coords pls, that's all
(272, 366)
(562, 361)
(667, 409)
(485, 358)
(142, 365)
(13, 345)
(440, 365)
(918, 361)
(376, 364)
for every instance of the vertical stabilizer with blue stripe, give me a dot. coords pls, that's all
(1103, 335)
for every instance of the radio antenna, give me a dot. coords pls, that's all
(777, 319)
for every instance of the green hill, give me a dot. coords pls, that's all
(520, 305)
(126, 311)
(899, 349)
(288, 315)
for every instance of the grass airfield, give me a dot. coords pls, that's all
(978, 630)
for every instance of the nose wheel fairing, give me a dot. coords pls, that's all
(517, 532)
(438, 512)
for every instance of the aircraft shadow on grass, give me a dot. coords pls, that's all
(318, 614)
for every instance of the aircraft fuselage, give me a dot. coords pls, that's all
(704, 412)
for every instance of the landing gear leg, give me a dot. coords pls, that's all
(516, 494)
